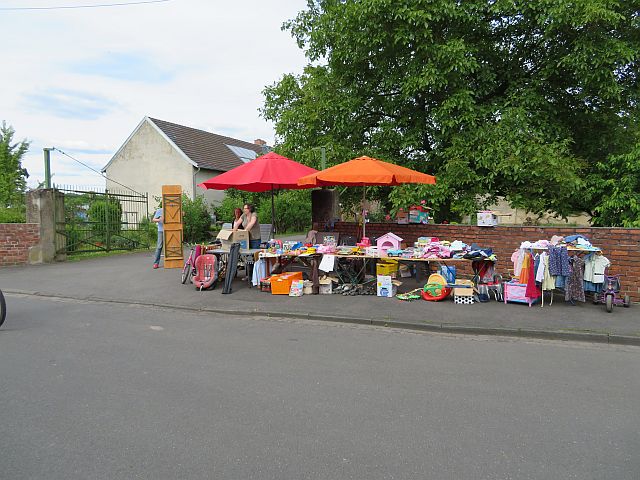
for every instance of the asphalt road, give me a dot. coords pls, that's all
(102, 391)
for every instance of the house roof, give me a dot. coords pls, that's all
(200, 148)
(389, 235)
(206, 149)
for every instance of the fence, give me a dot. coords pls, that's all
(101, 220)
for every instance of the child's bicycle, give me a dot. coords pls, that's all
(609, 296)
(3, 308)
(189, 269)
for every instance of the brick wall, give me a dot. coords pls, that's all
(620, 245)
(15, 240)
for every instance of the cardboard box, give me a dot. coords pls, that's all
(281, 283)
(464, 290)
(487, 219)
(326, 286)
(228, 237)
(385, 286)
(402, 218)
(417, 216)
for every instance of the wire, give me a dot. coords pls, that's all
(97, 5)
(96, 171)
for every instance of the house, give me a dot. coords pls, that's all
(163, 153)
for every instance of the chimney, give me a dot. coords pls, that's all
(259, 141)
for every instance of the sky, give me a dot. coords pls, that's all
(81, 79)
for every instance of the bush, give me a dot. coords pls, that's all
(105, 217)
(224, 211)
(196, 220)
(293, 211)
(12, 215)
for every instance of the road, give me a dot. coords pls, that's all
(94, 390)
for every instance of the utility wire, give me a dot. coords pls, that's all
(97, 5)
(98, 172)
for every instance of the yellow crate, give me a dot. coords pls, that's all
(387, 268)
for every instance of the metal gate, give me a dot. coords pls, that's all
(101, 220)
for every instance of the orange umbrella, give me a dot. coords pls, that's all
(363, 171)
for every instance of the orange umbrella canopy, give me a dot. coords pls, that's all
(363, 171)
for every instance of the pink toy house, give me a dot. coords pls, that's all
(386, 242)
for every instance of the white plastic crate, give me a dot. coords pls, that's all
(463, 299)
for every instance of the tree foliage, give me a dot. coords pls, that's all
(13, 177)
(196, 219)
(529, 101)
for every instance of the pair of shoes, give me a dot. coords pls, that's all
(155, 265)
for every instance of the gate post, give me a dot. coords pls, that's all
(44, 207)
(107, 214)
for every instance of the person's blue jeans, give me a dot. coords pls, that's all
(255, 243)
(159, 247)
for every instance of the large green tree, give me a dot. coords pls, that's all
(13, 177)
(524, 100)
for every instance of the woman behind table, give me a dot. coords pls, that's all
(237, 213)
(249, 221)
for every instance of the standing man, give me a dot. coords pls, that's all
(158, 218)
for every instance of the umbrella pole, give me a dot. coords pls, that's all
(273, 215)
(364, 217)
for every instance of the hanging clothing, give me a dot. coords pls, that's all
(527, 265)
(548, 282)
(532, 290)
(559, 261)
(541, 267)
(574, 287)
(594, 267)
(517, 258)
(259, 272)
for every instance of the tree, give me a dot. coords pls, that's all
(13, 178)
(196, 219)
(510, 98)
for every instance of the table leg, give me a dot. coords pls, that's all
(315, 276)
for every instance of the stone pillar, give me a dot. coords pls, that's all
(46, 207)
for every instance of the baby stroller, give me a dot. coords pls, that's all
(207, 272)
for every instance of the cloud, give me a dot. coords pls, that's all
(70, 104)
(132, 66)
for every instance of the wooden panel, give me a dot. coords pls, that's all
(172, 210)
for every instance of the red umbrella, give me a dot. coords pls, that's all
(268, 172)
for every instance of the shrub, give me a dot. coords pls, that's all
(224, 211)
(293, 211)
(196, 220)
(105, 217)
(12, 215)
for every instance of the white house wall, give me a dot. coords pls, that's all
(212, 197)
(147, 162)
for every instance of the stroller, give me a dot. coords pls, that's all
(207, 272)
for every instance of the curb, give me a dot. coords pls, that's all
(585, 337)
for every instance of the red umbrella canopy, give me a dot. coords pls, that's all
(268, 172)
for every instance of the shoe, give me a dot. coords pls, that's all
(155, 265)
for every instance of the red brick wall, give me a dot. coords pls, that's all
(15, 240)
(620, 245)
